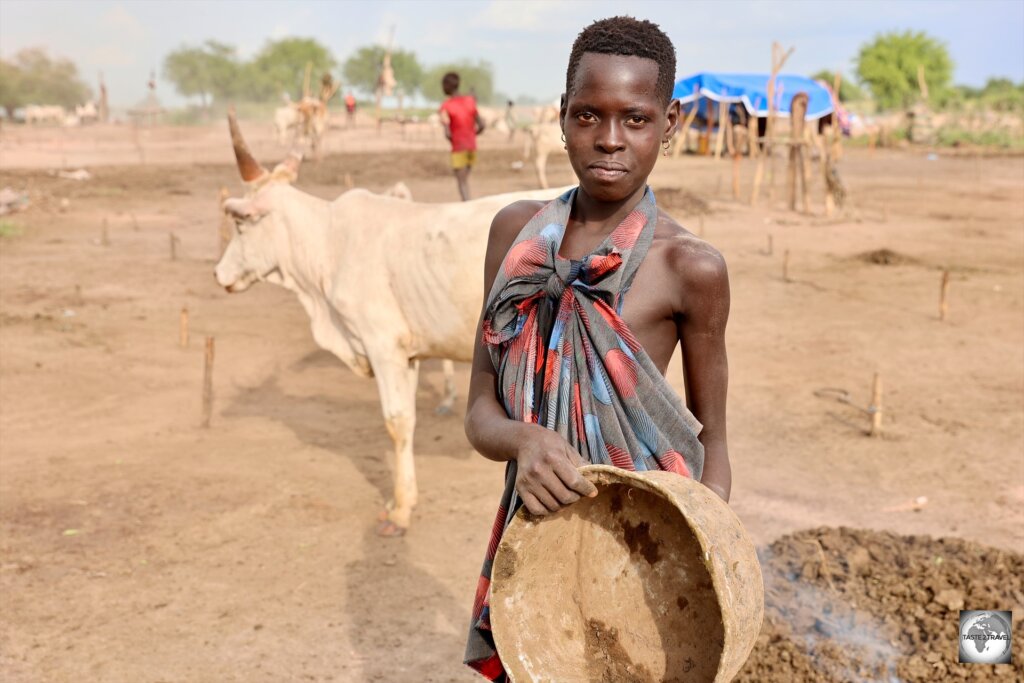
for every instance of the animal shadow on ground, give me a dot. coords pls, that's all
(427, 392)
(395, 607)
(333, 422)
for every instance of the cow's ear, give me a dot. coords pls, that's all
(243, 210)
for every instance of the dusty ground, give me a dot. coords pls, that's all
(137, 547)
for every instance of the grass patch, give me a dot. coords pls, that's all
(955, 137)
(9, 229)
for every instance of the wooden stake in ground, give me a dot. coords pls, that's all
(105, 234)
(876, 406)
(208, 382)
(685, 129)
(736, 175)
(183, 328)
(798, 112)
(835, 193)
(700, 226)
(227, 224)
(723, 116)
(778, 60)
(785, 266)
(770, 245)
(173, 245)
(348, 181)
(944, 296)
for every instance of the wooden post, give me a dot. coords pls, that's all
(736, 174)
(876, 406)
(944, 296)
(785, 266)
(348, 181)
(798, 112)
(834, 190)
(723, 115)
(105, 234)
(770, 245)
(778, 60)
(700, 225)
(183, 328)
(685, 130)
(174, 245)
(704, 146)
(208, 382)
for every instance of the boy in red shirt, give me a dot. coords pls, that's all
(462, 123)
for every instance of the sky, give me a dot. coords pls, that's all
(526, 41)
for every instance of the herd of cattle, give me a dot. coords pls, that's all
(379, 309)
(52, 114)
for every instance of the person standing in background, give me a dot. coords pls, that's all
(350, 110)
(462, 123)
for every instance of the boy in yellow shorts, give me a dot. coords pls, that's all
(462, 123)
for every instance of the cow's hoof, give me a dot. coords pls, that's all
(443, 410)
(388, 529)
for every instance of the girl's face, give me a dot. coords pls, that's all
(615, 123)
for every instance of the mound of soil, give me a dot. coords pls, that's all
(850, 605)
(886, 257)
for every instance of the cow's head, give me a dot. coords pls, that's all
(252, 254)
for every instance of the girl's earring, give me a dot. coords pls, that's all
(564, 145)
(665, 146)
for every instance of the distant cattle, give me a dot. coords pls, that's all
(45, 114)
(541, 140)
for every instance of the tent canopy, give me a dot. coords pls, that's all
(752, 91)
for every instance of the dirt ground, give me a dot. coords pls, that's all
(135, 546)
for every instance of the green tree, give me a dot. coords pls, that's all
(848, 90)
(280, 67)
(211, 71)
(362, 69)
(32, 77)
(1002, 94)
(11, 92)
(889, 65)
(475, 78)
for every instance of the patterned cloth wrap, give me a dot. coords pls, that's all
(566, 360)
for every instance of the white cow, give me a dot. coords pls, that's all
(87, 112)
(541, 140)
(286, 121)
(386, 282)
(51, 113)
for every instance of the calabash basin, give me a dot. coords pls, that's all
(654, 579)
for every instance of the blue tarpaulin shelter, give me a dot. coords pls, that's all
(752, 91)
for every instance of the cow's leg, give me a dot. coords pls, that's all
(396, 381)
(540, 164)
(448, 400)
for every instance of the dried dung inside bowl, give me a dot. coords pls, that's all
(653, 580)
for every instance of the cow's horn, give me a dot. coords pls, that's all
(248, 167)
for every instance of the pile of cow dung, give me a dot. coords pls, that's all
(850, 605)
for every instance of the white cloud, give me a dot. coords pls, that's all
(123, 24)
(111, 55)
(525, 15)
